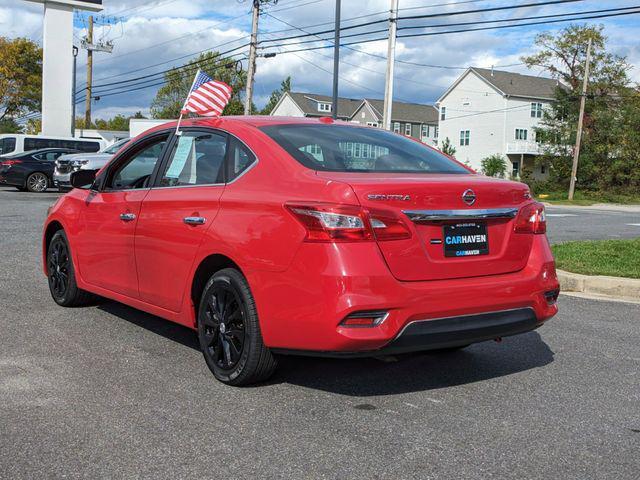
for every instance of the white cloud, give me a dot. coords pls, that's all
(153, 32)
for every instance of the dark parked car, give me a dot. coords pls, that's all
(33, 170)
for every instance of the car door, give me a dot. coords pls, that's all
(109, 216)
(176, 213)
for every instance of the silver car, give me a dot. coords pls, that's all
(67, 164)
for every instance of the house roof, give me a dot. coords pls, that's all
(308, 103)
(511, 84)
(518, 85)
(406, 112)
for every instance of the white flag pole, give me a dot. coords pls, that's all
(185, 102)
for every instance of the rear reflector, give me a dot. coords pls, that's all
(365, 319)
(552, 296)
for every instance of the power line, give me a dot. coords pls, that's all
(431, 15)
(425, 34)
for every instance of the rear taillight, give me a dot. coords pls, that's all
(531, 219)
(8, 163)
(387, 226)
(347, 223)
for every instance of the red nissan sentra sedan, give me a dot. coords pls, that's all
(286, 235)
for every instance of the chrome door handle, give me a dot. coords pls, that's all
(127, 217)
(194, 220)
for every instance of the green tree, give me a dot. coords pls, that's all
(447, 148)
(276, 95)
(494, 166)
(611, 111)
(9, 125)
(20, 77)
(171, 96)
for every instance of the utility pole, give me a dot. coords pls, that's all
(90, 47)
(251, 71)
(391, 58)
(336, 62)
(73, 92)
(583, 97)
(87, 111)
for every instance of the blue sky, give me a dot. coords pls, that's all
(148, 32)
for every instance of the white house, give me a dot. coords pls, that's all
(487, 112)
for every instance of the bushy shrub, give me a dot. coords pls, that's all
(494, 166)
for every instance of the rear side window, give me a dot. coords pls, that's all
(344, 148)
(197, 159)
(7, 145)
(240, 159)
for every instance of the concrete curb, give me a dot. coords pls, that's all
(606, 207)
(614, 287)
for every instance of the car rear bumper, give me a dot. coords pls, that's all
(433, 334)
(303, 308)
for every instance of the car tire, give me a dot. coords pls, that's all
(37, 182)
(61, 275)
(229, 331)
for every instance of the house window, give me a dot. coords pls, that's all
(324, 107)
(464, 137)
(396, 127)
(443, 113)
(372, 124)
(425, 131)
(435, 134)
(407, 129)
(521, 133)
(515, 170)
(536, 110)
(543, 168)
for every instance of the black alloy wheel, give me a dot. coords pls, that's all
(61, 275)
(224, 328)
(58, 263)
(229, 331)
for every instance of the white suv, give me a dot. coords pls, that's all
(67, 164)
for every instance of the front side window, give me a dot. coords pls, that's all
(464, 137)
(358, 149)
(7, 145)
(197, 159)
(136, 171)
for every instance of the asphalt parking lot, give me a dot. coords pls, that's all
(108, 391)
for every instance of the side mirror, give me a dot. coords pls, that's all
(83, 179)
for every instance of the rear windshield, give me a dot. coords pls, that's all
(343, 148)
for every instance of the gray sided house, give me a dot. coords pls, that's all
(297, 104)
(412, 119)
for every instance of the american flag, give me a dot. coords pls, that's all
(207, 97)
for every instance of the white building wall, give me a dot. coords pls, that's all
(518, 115)
(475, 106)
(288, 108)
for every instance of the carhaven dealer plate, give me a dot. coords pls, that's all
(465, 239)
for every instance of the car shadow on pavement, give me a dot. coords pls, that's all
(378, 376)
(417, 371)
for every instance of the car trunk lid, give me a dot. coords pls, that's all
(443, 223)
